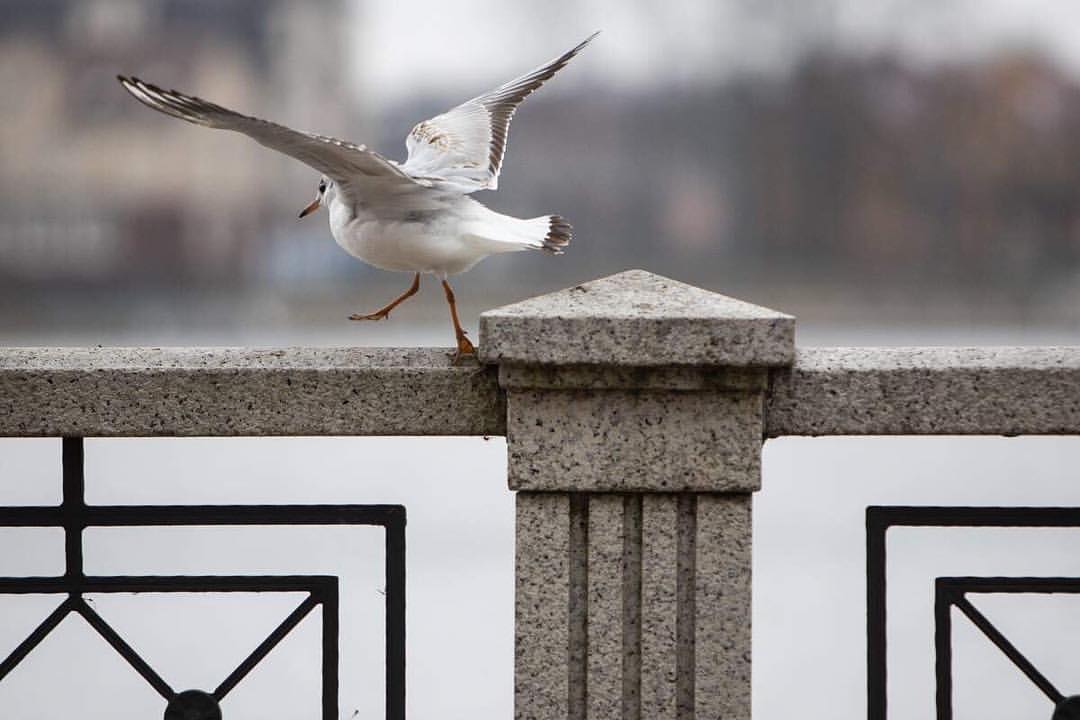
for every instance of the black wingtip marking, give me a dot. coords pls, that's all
(560, 233)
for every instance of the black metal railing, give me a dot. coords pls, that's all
(950, 592)
(74, 516)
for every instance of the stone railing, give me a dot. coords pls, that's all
(634, 408)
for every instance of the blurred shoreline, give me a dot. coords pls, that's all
(278, 316)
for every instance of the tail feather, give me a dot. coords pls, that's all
(559, 234)
(500, 233)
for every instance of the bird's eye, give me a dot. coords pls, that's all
(322, 186)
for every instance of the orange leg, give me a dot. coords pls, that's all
(385, 312)
(464, 347)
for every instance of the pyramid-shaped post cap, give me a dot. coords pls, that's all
(637, 318)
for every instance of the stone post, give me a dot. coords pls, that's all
(634, 431)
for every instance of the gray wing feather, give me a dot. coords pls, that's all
(464, 147)
(344, 162)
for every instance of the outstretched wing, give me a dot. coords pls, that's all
(344, 162)
(463, 149)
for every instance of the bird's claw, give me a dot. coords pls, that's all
(372, 316)
(459, 358)
(465, 351)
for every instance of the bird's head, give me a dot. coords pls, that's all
(326, 187)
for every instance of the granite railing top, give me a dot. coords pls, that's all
(153, 359)
(238, 391)
(632, 331)
(931, 359)
(927, 391)
(418, 391)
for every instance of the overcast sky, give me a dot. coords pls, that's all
(422, 46)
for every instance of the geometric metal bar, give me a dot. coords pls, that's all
(73, 505)
(23, 649)
(1008, 648)
(330, 616)
(74, 516)
(164, 584)
(266, 646)
(949, 591)
(322, 588)
(126, 651)
(32, 516)
(930, 516)
(395, 620)
(238, 515)
(1011, 585)
(943, 650)
(876, 630)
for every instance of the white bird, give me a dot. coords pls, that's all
(416, 216)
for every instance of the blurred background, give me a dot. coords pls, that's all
(889, 171)
(886, 162)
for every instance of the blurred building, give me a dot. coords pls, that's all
(853, 173)
(83, 194)
(846, 176)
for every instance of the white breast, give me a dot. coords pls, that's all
(434, 245)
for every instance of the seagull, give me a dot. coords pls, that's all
(416, 216)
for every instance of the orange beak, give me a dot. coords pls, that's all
(310, 208)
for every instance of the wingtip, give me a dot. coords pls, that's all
(129, 82)
(581, 45)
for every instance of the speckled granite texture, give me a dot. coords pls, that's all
(659, 565)
(228, 391)
(633, 606)
(634, 429)
(927, 391)
(607, 653)
(636, 318)
(613, 377)
(616, 440)
(542, 644)
(722, 607)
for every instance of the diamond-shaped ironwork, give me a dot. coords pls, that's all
(950, 592)
(74, 516)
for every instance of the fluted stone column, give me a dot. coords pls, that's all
(634, 431)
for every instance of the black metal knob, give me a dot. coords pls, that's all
(195, 705)
(1068, 709)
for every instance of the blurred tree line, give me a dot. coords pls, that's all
(849, 170)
